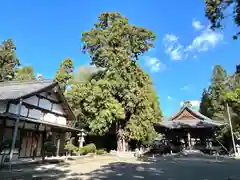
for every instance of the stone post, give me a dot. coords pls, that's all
(81, 139)
(238, 149)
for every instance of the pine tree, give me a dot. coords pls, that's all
(24, 73)
(120, 98)
(205, 105)
(217, 91)
(64, 73)
(213, 99)
(8, 60)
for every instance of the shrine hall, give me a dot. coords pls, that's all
(189, 128)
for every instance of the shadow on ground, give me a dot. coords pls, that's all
(169, 169)
(51, 170)
(161, 169)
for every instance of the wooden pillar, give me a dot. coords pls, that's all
(2, 129)
(189, 140)
(58, 145)
(44, 134)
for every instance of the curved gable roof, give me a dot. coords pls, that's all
(192, 113)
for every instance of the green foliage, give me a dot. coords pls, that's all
(217, 10)
(6, 144)
(213, 101)
(120, 97)
(94, 105)
(89, 148)
(24, 73)
(233, 99)
(64, 73)
(70, 147)
(8, 60)
(205, 105)
(113, 40)
(100, 151)
(223, 90)
(83, 75)
(49, 148)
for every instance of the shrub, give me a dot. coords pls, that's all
(100, 151)
(82, 151)
(49, 148)
(70, 147)
(90, 148)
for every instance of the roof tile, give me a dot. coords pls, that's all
(16, 89)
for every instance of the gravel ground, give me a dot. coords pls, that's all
(114, 168)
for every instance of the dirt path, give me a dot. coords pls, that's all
(115, 168)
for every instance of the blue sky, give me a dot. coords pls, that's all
(46, 32)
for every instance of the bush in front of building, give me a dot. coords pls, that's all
(49, 148)
(89, 148)
(100, 151)
(71, 148)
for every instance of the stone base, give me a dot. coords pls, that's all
(236, 157)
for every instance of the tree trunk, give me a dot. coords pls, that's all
(119, 141)
(120, 137)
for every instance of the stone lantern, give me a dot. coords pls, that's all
(81, 136)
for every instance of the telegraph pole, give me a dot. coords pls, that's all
(231, 129)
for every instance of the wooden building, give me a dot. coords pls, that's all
(189, 128)
(43, 115)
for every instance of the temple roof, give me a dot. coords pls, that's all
(15, 90)
(12, 90)
(187, 112)
(186, 117)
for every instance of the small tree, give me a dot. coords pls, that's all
(24, 73)
(64, 73)
(8, 60)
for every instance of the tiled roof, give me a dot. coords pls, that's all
(198, 121)
(194, 112)
(16, 89)
(189, 123)
(200, 114)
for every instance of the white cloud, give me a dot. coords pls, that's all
(155, 64)
(171, 38)
(194, 103)
(206, 39)
(185, 88)
(173, 48)
(169, 98)
(197, 25)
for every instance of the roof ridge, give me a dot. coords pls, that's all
(190, 109)
(200, 114)
(16, 82)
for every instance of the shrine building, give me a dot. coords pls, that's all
(189, 128)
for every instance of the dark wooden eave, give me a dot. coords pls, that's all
(36, 121)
